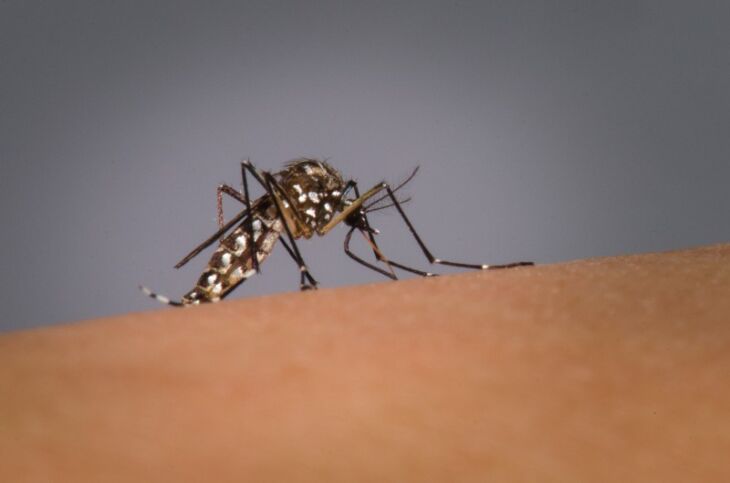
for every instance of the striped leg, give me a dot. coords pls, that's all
(369, 235)
(427, 253)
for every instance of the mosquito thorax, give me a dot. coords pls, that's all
(314, 189)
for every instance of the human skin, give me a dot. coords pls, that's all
(612, 369)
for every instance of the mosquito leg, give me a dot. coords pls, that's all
(370, 238)
(381, 258)
(438, 261)
(247, 165)
(303, 270)
(212, 239)
(412, 270)
(360, 260)
(369, 229)
(233, 193)
(222, 227)
(311, 279)
(265, 179)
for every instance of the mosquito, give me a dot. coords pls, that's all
(305, 198)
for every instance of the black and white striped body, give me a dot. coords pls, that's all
(232, 263)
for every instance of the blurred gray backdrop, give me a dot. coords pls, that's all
(545, 131)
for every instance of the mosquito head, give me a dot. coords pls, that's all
(358, 218)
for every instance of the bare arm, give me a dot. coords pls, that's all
(599, 370)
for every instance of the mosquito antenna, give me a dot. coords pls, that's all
(389, 205)
(402, 184)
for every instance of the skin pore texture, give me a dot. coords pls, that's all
(612, 369)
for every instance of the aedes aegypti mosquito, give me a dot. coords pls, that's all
(308, 196)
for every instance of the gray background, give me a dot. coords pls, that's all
(544, 130)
